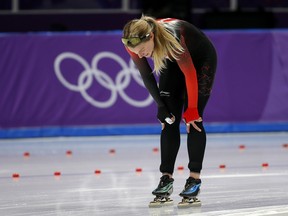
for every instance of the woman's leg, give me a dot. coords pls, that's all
(172, 88)
(196, 141)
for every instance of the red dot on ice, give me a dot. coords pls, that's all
(26, 154)
(97, 171)
(222, 166)
(112, 151)
(155, 150)
(15, 175)
(242, 147)
(57, 173)
(138, 169)
(68, 152)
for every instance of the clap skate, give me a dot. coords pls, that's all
(162, 193)
(189, 193)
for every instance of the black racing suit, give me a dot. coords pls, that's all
(185, 83)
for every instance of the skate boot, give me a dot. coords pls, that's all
(162, 192)
(189, 193)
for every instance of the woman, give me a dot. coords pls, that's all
(186, 61)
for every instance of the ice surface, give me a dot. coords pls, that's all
(244, 187)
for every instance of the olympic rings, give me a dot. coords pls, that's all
(85, 79)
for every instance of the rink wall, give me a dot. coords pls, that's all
(84, 83)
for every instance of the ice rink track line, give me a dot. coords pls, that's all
(224, 176)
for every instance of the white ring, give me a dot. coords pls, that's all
(119, 84)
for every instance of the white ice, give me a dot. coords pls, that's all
(244, 187)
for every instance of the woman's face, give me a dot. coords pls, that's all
(144, 49)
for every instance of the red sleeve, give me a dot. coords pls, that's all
(186, 65)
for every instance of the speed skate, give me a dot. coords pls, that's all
(162, 192)
(189, 194)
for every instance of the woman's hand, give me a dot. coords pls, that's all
(188, 125)
(169, 121)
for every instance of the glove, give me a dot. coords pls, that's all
(164, 115)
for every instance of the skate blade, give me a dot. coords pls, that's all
(159, 204)
(188, 204)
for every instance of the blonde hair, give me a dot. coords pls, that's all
(165, 44)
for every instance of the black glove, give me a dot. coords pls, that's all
(163, 113)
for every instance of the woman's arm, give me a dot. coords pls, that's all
(151, 84)
(185, 63)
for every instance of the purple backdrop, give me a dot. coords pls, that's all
(88, 79)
